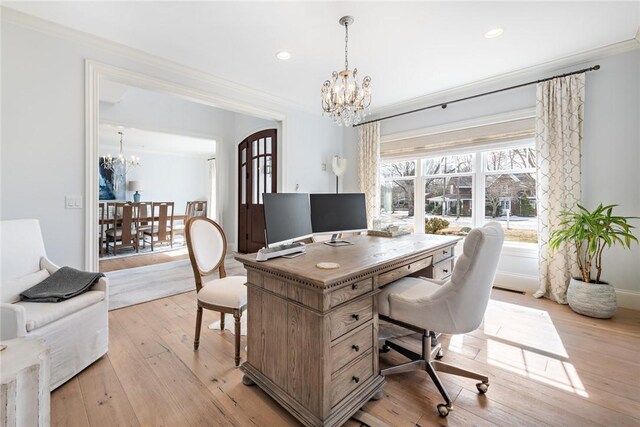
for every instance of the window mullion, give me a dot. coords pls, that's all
(418, 200)
(478, 187)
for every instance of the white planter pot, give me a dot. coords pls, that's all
(591, 299)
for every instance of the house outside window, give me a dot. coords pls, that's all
(463, 191)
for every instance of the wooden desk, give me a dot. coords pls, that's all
(312, 334)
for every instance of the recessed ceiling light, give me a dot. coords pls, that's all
(493, 33)
(283, 56)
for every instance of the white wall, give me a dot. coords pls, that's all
(43, 135)
(611, 151)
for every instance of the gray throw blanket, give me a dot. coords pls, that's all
(65, 283)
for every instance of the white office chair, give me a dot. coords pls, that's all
(455, 306)
(228, 294)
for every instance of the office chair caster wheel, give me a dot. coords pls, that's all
(385, 349)
(482, 387)
(439, 355)
(443, 410)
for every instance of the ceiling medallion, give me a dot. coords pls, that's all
(343, 99)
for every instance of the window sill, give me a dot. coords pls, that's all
(524, 250)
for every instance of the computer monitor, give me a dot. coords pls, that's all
(286, 217)
(338, 213)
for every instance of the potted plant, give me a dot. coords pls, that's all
(592, 232)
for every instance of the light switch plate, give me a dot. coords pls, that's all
(73, 202)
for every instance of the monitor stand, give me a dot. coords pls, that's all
(334, 242)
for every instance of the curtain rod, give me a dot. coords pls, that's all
(445, 104)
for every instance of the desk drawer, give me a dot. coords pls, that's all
(405, 270)
(443, 270)
(443, 254)
(350, 316)
(350, 292)
(350, 378)
(354, 344)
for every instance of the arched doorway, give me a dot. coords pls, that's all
(257, 160)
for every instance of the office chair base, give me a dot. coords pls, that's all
(444, 410)
(429, 361)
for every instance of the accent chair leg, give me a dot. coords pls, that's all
(222, 321)
(236, 317)
(196, 341)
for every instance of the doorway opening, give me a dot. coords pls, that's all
(184, 153)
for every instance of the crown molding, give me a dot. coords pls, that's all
(537, 71)
(51, 28)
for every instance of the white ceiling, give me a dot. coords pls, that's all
(408, 48)
(141, 140)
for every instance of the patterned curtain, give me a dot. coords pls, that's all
(559, 117)
(368, 161)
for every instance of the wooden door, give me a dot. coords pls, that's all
(257, 162)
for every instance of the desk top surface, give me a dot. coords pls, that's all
(366, 253)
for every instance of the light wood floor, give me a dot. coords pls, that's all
(113, 264)
(548, 366)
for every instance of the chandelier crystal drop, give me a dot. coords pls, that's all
(344, 100)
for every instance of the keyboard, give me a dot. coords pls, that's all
(265, 254)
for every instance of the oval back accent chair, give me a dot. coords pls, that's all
(454, 306)
(207, 246)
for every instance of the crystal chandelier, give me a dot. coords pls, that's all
(343, 99)
(119, 165)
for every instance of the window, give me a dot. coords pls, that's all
(510, 192)
(448, 192)
(397, 192)
(460, 191)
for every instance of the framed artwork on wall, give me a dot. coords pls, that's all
(111, 183)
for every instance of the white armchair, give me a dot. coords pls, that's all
(76, 330)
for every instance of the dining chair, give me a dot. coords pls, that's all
(193, 208)
(196, 208)
(123, 227)
(161, 224)
(454, 306)
(207, 246)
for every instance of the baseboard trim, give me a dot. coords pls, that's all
(526, 283)
(628, 299)
(517, 282)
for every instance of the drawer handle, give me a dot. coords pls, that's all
(354, 286)
(444, 252)
(355, 316)
(445, 270)
(356, 379)
(355, 347)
